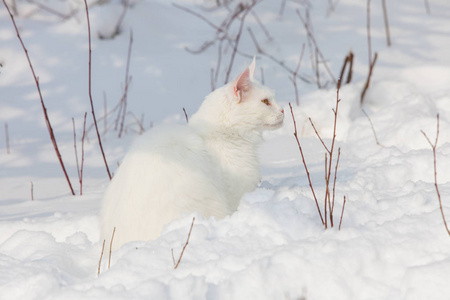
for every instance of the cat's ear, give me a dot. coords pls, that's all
(242, 84)
(251, 68)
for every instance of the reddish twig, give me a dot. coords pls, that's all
(304, 164)
(90, 91)
(47, 120)
(433, 147)
(342, 213)
(369, 77)
(75, 148)
(347, 61)
(175, 265)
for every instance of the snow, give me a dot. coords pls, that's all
(392, 244)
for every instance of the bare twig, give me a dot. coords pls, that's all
(386, 23)
(316, 46)
(427, 7)
(347, 61)
(366, 86)
(124, 99)
(82, 154)
(282, 64)
(75, 147)
(32, 191)
(369, 39)
(175, 265)
(185, 115)
(110, 247)
(90, 91)
(304, 164)
(433, 147)
(47, 120)
(7, 139)
(100, 260)
(294, 75)
(373, 129)
(53, 11)
(342, 213)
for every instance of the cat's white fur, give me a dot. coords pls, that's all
(205, 166)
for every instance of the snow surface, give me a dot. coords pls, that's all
(392, 245)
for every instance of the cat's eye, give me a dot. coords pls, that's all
(265, 101)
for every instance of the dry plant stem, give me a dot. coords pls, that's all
(185, 115)
(342, 213)
(238, 38)
(7, 139)
(373, 129)
(75, 147)
(369, 39)
(47, 120)
(184, 248)
(110, 247)
(82, 154)
(427, 7)
(90, 90)
(124, 99)
(101, 256)
(366, 86)
(260, 51)
(304, 164)
(347, 61)
(294, 76)
(334, 181)
(386, 23)
(32, 191)
(433, 147)
(53, 11)
(311, 36)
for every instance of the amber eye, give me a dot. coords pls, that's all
(265, 101)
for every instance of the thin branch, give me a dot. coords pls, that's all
(334, 181)
(185, 115)
(124, 99)
(32, 191)
(433, 147)
(373, 129)
(184, 248)
(366, 86)
(342, 213)
(347, 61)
(386, 23)
(75, 148)
(110, 247)
(90, 91)
(317, 133)
(304, 164)
(82, 154)
(47, 120)
(369, 39)
(294, 75)
(100, 260)
(316, 46)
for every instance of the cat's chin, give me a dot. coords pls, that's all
(273, 126)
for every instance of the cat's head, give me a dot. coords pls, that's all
(244, 105)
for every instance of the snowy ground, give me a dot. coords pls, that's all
(392, 245)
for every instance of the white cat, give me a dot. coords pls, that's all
(205, 166)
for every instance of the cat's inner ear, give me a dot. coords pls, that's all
(242, 84)
(251, 68)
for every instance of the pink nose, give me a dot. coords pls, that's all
(282, 111)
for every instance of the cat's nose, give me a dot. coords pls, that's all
(282, 111)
